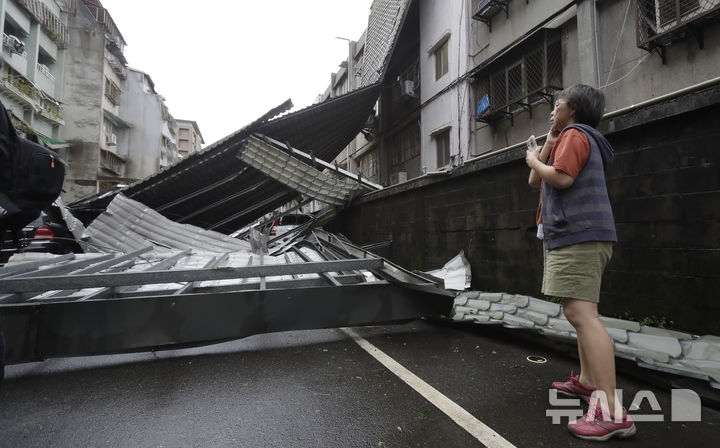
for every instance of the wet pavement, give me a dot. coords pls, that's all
(317, 388)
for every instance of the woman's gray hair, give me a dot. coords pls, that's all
(587, 102)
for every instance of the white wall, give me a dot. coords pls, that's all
(444, 101)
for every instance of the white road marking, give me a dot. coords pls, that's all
(475, 427)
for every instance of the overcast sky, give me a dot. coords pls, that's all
(224, 63)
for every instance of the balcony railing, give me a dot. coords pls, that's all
(51, 23)
(112, 162)
(659, 22)
(45, 71)
(14, 44)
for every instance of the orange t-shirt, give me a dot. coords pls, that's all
(569, 155)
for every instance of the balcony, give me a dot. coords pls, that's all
(45, 71)
(485, 10)
(661, 22)
(22, 91)
(112, 162)
(13, 51)
(51, 111)
(117, 66)
(51, 23)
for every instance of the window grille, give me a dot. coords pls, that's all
(660, 22)
(516, 83)
(485, 10)
(406, 146)
(112, 92)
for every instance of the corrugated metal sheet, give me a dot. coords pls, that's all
(213, 189)
(128, 225)
(291, 172)
(386, 18)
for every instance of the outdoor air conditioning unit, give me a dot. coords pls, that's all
(407, 88)
(111, 140)
(396, 178)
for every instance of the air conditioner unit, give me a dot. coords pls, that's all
(407, 88)
(111, 140)
(396, 178)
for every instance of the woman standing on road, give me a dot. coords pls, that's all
(576, 224)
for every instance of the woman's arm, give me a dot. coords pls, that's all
(541, 154)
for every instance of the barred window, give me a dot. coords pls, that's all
(406, 146)
(520, 80)
(112, 91)
(659, 22)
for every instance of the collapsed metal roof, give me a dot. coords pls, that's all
(215, 189)
(75, 305)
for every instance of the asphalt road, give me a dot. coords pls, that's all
(316, 389)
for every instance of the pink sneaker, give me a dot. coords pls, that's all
(573, 388)
(598, 427)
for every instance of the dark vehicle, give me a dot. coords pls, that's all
(48, 233)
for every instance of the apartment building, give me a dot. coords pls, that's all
(35, 41)
(189, 137)
(95, 70)
(151, 139)
(354, 157)
(470, 77)
(489, 72)
(117, 126)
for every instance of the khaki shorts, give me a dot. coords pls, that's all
(575, 272)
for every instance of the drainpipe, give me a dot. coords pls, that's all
(595, 41)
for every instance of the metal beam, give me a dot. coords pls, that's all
(20, 285)
(38, 331)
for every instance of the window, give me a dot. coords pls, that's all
(112, 91)
(660, 22)
(367, 166)
(516, 82)
(441, 60)
(109, 131)
(442, 143)
(667, 12)
(406, 146)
